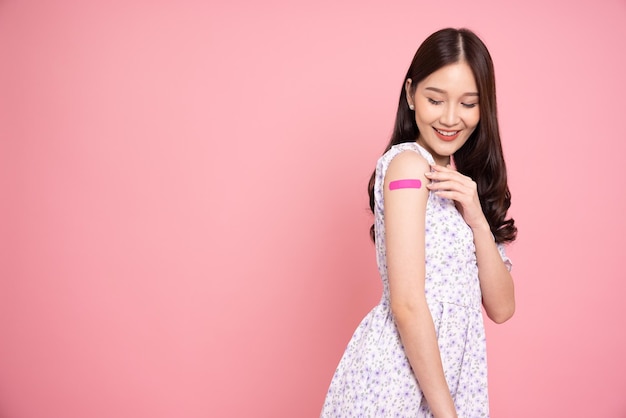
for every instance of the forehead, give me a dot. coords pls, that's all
(453, 78)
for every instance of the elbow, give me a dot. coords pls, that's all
(502, 315)
(401, 313)
(404, 313)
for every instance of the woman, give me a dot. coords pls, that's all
(440, 196)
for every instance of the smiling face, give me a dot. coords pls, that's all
(446, 109)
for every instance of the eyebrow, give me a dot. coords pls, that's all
(445, 92)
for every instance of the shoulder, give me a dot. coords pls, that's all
(405, 195)
(407, 163)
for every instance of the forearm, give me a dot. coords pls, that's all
(417, 332)
(496, 282)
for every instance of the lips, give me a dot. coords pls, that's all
(446, 135)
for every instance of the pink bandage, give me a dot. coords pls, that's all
(405, 184)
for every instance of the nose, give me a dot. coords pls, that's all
(450, 116)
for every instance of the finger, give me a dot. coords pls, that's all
(450, 185)
(447, 175)
(441, 168)
(459, 197)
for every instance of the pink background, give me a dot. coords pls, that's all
(184, 223)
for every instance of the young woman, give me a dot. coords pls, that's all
(439, 196)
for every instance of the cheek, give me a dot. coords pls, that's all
(473, 119)
(425, 114)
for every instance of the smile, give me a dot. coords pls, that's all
(446, 135)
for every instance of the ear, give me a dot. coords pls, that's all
(409, 93)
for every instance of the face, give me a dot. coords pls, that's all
(446, 109)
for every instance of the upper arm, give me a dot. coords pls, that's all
(405, 219)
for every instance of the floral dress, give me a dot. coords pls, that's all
(374, 377)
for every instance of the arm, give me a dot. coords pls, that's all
(496, 283)
(405, 213)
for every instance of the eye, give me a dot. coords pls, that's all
(434, 102)
(469, 105)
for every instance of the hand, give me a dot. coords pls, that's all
(450, 184)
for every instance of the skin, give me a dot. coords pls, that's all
(445, 100)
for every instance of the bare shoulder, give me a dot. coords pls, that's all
(407, 165)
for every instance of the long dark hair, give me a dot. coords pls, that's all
(480, 158)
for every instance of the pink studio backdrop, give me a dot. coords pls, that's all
(184, 217)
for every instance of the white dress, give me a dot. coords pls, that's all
(374, 377)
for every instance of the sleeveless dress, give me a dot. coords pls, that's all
(374, 377)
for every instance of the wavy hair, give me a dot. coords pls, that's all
(480, 158)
